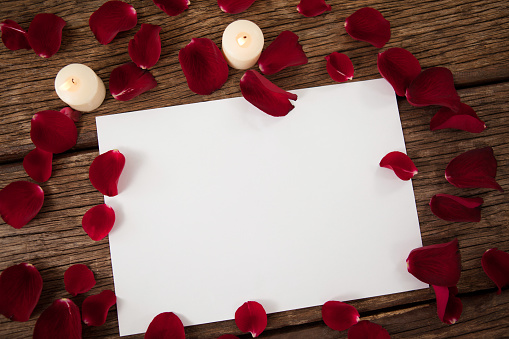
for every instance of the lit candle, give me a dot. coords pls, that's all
(79, 87)
(242, 44)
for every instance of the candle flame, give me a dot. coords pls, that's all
(242, 40)
(68, 84)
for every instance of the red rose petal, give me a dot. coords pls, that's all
(98, 221)
(78, 279)
(399, 67)
(234, 6)
(165, 326)
(228, 336)
(434, 86)
(400, 163)
(339, 66)
(265, 95)
(495, 264)
(172, 7)
(438, 265)
(71, 114)
(37, 164)
(453, 208)
(368, 24)
(105, 171)
(449, 307)
(20, 201)
(110, 19)
(464, 119)
(95, 307)
(128, 81)
(475, 168)
(310, 8)
(53, 132)
(339, 315)
(20, 289)
(284, 51)
(145, 47)
(13, 36)
(60, 320)
(365, 329)
(251, 317)
(45, 34)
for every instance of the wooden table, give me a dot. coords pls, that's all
(469, 37)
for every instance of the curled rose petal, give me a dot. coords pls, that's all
(105, 171)
(172, 7)
(110, 19)
(438, 265)
(284, 51)
(475, 168)
(95, 307)
(495, 264)
(251, 317)
(13, 36)
(20, 289)
(78, 279)
(400, 163)
(45, 34)
(464, 119)
(310, 8)
(399, 67)
(339, 315)
(98, 221)
(37, 164)
(453, 208)
(449, 307)
(128, 81)
(20, 201)
(234, 6)
(228, 336)
(165, 325)
(71, 114)
(53, 132)
(339, 66)
(60, 320)
(367, 24)
(365, 329)
(145, 47)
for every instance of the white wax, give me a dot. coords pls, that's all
(79, 87)
(242, 44)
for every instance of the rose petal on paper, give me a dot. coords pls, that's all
(95, 307)
(165, 326)
(145, 47)
(172, 7)
(399, 67)
(234, 6)
(98, 221)
(449, 307)
(453, 208)
(400, 163)
(78, 279)
(45, 34)
(339, 315)
(60, 320)
(464, 119)
(110, 19)
(37, 164)
(365, 329)
(284, 51)
(251, 317)
(265, 95)
(367, 24)
(20, 201)
(495, 264)
(438, 265)
(20, 289)
(71, 114)
(228, 336)
(339, 66)
(310, 8)
(53, 132)
(475, 168)
(105, 171)
(13, 36)
(128, 81)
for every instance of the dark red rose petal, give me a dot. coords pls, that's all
(128, 81)
(251, 317)
(95, 307)
(78, 279)
(365, 329)
(339, 315)
(13, 36)
(110, 19)
(71, 114)
(452, 208)
(475, 168)
(105, 171)
(438, 265)
(20, 289)
(368, 24)
(165, 326)
(228, 336)
(310, 8)
(60, 320)
(172, 7)
(234, 6)
(464, 119)
(495, 264)
(145, 47)
(20, 201)
(53, 132)
(399, 67)
(37, 164)
(98, 221)
(284, 51)
(400, 163)
(339, 66)
(449, 307)
(45, 34)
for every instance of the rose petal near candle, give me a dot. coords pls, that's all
(310, 8)
(284, 51)
(165, 325)
(95, 307)
(400, 163)
(251, 317)
(265, 95)
(105, 171)
(20, 201)
(128, 81)
(203, 65)
(145, 47)
(438, 265)
(453, 208)
(228, 336)
(71, 114)
(234, 6)
(475, 168)
(78, 279)
(60, 320)
(464, 119)
(13, 36)
(339, 315)
(45, 34)
(367, 24)
(20, 289)
(399, 67)
(339, 66)
(37, 164)
(53, 132)
(449, 307)
(495, 264)
(110, 19)
(172, 7)
(365, 329)
(98, 221)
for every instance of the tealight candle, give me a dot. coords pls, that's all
(79, 87)
(242, 44)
